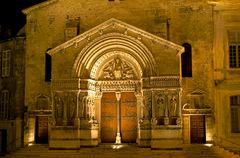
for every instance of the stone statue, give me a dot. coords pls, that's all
(84, 107)
(147, 108)
(160, 106)
(173, 106)
(72, 104)
(58, 108)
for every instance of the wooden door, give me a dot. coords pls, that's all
(128, 104)
(108, 117)
(197, 129)
(41, 134)
(3, 141)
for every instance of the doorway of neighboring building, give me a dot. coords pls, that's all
(3, 140)
(128, 117)
(41, 134)
(197, 129)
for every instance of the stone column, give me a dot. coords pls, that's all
(166, 117)
(179, 114)
(139, 105)
(97, 103)
(153, 106)
(65, 111)
(76, 119)
(118, 137)
(53, 111)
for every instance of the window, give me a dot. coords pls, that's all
(235, 113)
(48, 67)
(234, 49)
(186, 58)
(4, 104)
(6, 56)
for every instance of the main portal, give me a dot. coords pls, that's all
(127, 117)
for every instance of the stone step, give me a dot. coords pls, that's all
(124, 151)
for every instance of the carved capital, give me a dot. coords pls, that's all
(118, 95)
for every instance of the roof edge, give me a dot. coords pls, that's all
(37, 6)
(93, 30)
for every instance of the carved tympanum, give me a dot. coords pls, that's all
(118, 69)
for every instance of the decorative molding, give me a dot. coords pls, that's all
(187, 109)
(114, 23)
(96, 68)
(111, 42)
(161, 82)
(119, 85)
(65, 84)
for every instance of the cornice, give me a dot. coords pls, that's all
(124, 29)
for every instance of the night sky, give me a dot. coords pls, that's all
(11, 17)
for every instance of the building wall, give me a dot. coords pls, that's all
(14, 83)
(178, 21)
(226, 18)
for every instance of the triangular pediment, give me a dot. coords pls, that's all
(116, 26)
(197, 92)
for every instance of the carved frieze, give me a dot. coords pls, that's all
(121, 85)
(161, 82)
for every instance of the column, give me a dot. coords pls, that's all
(118, 137)
(166, 118)
(65, 111)
(153, 105)
(76, 119)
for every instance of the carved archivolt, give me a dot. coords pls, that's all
(91, 54)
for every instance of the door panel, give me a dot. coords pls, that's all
(41, 129)
(197, 129)
(3, 141)
(128, 114)
(108, 117)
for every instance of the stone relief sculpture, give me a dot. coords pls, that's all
(118, 69)
(72, 104)
(173, 106)
(87, 107)
(42, 103)
(58, 102)
(160, 105)
(84, 107)
(91, 107)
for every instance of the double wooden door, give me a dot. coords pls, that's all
(128, 117)
(41, 134)
(197, 129)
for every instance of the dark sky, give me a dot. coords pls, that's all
(11, 16)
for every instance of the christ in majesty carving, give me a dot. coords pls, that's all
(117, 69)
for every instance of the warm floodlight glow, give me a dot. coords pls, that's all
(117, 146)
(208, 145)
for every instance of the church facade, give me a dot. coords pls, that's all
(158, 74)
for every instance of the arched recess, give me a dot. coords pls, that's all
(113, 44)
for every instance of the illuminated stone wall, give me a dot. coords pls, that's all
(177, 21)
(189, 22)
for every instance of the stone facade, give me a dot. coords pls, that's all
(97, 47)
(12, 83)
